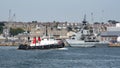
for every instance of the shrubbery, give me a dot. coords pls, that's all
(1, 27)
(16, 31)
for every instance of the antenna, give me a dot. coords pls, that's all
(9, 19)
(13, 17)
(102, 16)
(92, 20)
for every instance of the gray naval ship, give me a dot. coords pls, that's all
(85, 37)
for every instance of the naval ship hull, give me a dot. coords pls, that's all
(80, 43)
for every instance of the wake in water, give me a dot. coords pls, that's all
(62, 48)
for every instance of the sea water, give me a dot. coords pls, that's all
(68, 57)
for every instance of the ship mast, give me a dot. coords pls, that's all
(84, 20)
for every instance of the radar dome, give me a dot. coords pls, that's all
(118, 39)
(118, 25)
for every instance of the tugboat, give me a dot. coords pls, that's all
(46, 42)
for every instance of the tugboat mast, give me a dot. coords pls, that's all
(46, 31)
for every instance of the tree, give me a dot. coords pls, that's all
(55, 24)
(112, 21)
(34, 21)
(16, 31)
(2, 24)
(96, 23)
(1, 29)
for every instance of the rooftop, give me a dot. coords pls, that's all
(110, 34)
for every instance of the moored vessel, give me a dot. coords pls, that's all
(85, 37)
(82, 43)
(115, 43)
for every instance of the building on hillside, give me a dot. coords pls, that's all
(111, 34)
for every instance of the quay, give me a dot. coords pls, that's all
(11, 43)
(114, 45)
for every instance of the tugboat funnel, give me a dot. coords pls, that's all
(34, 40)
(39, 39)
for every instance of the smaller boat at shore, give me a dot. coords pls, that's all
(47, 42)
(115, 43)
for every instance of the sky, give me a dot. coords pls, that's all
(60, 10)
